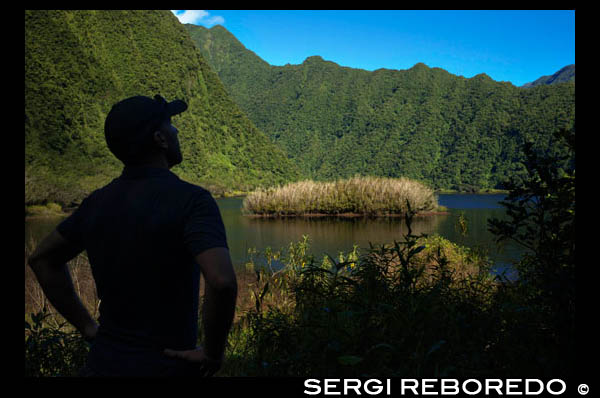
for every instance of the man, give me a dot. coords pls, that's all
(148, 236)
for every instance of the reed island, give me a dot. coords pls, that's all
(356, 196)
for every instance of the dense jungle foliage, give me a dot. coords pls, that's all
(79, 63)
(422, 123)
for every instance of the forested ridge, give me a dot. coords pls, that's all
(79, 63)
(566, 74)
(422, 123)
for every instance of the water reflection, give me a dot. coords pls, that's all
(327, 235)
(334, 235)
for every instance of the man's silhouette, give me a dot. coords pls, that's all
(148, 236)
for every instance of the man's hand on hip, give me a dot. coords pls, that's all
(207, 366)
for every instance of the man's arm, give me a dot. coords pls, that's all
(217, 313)
(219, 298)
(49, 263)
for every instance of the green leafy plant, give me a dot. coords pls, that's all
(52, 350)
(541, 210)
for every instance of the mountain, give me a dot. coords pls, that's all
(422, 123)
(566, 74)
(79, 63)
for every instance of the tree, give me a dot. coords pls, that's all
(541, 212)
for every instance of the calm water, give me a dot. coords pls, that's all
(332, 236)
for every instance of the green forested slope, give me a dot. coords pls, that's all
(421, 123)
(79, 63)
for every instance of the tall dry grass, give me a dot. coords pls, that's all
(372, 196)
(83, 282)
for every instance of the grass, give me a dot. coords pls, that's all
(359, 315)
(52, 346)
(370, 196)
(48, 210)
(423, 307)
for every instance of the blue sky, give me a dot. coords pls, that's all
(514, 46)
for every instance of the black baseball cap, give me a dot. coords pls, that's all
(130, 120)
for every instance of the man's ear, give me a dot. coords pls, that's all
(160, 139)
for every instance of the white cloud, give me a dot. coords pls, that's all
(198, 17)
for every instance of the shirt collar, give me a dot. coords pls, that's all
(145, 172)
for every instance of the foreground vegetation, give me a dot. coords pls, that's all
(54, 348)
(50, 209)
(421, 307)
(372, 196)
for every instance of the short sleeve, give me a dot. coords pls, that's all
(203, 227)
(72, 228)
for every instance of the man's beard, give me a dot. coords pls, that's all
(174, 156)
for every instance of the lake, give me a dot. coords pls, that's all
(334, 235)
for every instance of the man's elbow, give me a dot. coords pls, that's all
(35, 261)
(225, 285)
(215, 265)
(229, 285)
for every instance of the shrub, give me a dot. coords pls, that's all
(541, 218)
(396, 310)
(52, 350)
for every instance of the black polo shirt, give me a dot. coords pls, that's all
(141, 233)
